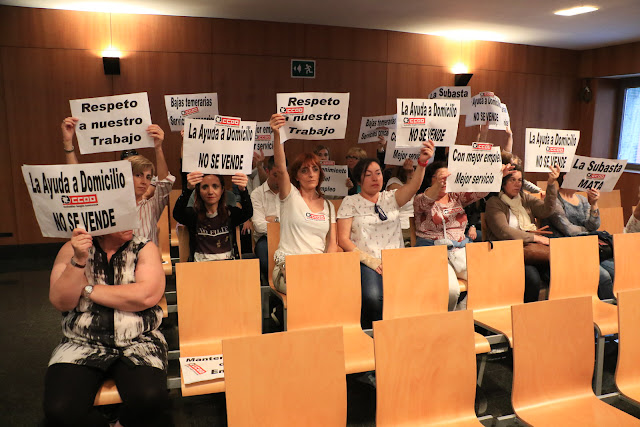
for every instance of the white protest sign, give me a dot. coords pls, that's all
(193, 106)
(397, 155)
(313, 115)
(98, 197)
(463, 93)
(222, 146)
(335, 180)
(548, 147)
(422, 119)
(592, 172)
(476, 167)
(112, 123)
(202, 368)
(485, 107)
(503, 119)
(373, 127)
(264, 139)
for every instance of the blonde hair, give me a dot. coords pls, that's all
(357, 152)
(139, 164)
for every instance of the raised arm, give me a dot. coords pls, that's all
(280, 161)
(67, 281)
(157, 134)
(406, 192)
(68, 130)
(509, 146)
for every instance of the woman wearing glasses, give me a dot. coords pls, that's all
(354, 155)
(370, 221)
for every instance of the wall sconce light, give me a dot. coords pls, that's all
(111, 62)
(462, 79)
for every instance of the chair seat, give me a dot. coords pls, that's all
(470, 421)
(463, 285)
(167, 267)
(498, 319)
(107, 394)
(605, 316)
(482, 345)
(358, 350)
(163, 305)
(630, 391)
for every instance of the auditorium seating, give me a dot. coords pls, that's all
(164, 246)
(273, 240)
(173, 196)
(628, 368)
(612, 220)
(626, 248)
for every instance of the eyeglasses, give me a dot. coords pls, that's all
(128, 153)
(377, 209)
(352, 158)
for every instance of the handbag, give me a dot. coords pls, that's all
(536, 253)
(605, 244)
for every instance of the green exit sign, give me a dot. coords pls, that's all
(303, 68)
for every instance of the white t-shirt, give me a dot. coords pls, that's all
(368, 232)
(303, 231)
(406, 211)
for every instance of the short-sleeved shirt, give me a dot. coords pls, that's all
(368, 232)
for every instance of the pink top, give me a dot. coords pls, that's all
(432, 218)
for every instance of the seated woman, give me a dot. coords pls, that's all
(107, 289)
(401, 176)
(370, 221)
(354, 155)
(211, 222)
(511, 215)
(307, 219)
(441, 219)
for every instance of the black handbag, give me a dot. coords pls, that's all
(605, 244)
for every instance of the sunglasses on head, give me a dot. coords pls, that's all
(377, 209)
(352, 158)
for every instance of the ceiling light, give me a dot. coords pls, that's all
(576, 10)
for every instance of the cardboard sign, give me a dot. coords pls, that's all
(503, 119)
(335, 180)
(485, 107)
(264, 139)
(462, 93)
(549, 147)
(222, 146)
(593, 172)
(192, 106)
(313, 115)
(420, 120)
(98, 197)
(112, 123)
(202, 368)
(474, 168)
(373, 127)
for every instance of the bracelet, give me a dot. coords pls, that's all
(424, 165)
(74, 263)
(71, 150)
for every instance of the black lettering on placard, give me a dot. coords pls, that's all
(35, 184)
(588, 183)
(232, 161)
(58, 219)
(108, 107)
(312, 131)
(98, 220)
(116, 123)
(73, 218)
(57, 185)
(413, 135)
(203, 160)
(124, 140)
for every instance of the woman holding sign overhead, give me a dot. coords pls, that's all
(307, 219)
(370, 221)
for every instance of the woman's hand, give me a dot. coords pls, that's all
(193, 179)
(349, 183)
(81, 241)
(592, 196)
(554, 174)
(408, 165)
(68, 127)
(379, 269)
(382, 141)
(277, 121)
(541, 239)
(258, 158)
(473, 234)
(156, 132)
(426, 152)
(507, 169)
(240, 180)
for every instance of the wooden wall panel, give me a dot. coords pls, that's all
(7, 211)
(413, 81)
(38, 85)
(422, 49)
(231, 36)
(629, 185)
(605, 119)
(47, 28)
(346, 43)
(610, 61)
(161, 33)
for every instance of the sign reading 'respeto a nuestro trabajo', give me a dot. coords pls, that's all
(313, 115)
(192, 106)
(112, 123)
(222, 146)
(420, 120)
(592, 172)
(98, 197)
(477, 167)
(544, 148)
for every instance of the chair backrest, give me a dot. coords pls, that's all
(542, 184)
(323, 290)
(184, 251)
(626, 248)
(273, 240)
(610, 199)
(553, 358)
(173, 196)
(412, 231)
(291, 378)
(409, 291)
(628, 368)
(495, 274)
(612, 220)
(425, 369)
(575, 267)
(483, 226)
(164, 243)
(336, 204)
(217, 300)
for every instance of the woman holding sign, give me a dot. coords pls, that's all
(107, 289)
(307, 219)
(370, 221)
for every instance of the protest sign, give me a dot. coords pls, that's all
(477, 167)
(98, 197)
(112, 123)
(462, 93)
(264, 139)
(503, 119)
(422, 119)
(335, 180)
(397, 155)
(202, 368)
(222, 146)
(593, 172)
(313, 115)
(549, 147)
(373, 127)
(485, 107)
(193, 106)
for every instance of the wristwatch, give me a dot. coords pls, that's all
(75, 263)
(86, 292)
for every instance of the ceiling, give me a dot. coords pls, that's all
(530, 22)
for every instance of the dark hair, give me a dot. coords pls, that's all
(517, 168)
(401, 173)
(305, 159)
(270, 163)
(560, 179)
(201, 209)
(318, 148)
(361, 167)
(429, 173)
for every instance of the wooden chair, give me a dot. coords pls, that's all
(293, 378)
(412, 231)
(610, 199)
(553, 364)
(495, 283)
(425, 375)
(163, 242)
(483, 225)
(628, 368)
(336, 204)
(407, 294)
(612, 220)
(173, 196)
(216, 300)
(575, 272)
(273, 240)
(324, 290)
(184, 251)
(542, 184)
(626, 248)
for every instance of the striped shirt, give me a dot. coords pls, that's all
(149, 210)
